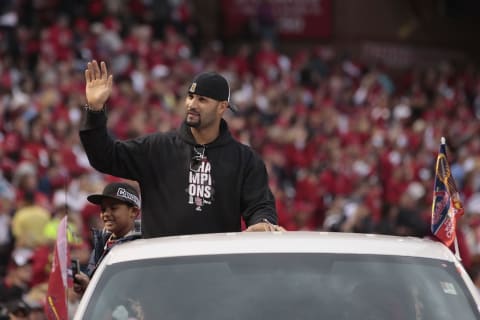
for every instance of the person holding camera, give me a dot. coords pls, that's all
(119, 209)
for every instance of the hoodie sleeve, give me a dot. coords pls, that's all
(119, 158)
(96, 252)
(258, 202)
(91, 264)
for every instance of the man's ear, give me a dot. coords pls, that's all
(223, 107)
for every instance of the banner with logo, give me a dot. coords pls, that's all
(292, 18)
(446, 206)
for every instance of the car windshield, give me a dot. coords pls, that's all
(282, 286)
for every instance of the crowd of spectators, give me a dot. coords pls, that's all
(350, 145)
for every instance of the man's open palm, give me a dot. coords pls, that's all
(98, 84)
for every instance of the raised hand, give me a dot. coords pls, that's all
(98, 84)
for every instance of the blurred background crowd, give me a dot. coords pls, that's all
(350, 140)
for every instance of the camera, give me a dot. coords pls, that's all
(75, 269)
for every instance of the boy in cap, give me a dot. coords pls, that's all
(119, 208)
(198, 179)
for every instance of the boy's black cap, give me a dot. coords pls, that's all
(18, 308)
(124, 192)
(212, 85)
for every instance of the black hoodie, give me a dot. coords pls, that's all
(181, 195)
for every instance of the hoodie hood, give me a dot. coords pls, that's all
(223, 138)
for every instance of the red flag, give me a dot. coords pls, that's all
(446, 206)
(56, 304)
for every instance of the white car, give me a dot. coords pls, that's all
(281, 275)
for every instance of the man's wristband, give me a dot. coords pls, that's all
(90, 109)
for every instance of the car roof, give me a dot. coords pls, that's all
(278, 242)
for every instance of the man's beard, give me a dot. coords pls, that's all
(192, 124)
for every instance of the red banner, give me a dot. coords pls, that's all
(56, 304)
(291, 18)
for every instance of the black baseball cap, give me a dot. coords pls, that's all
(18, 308)
(122, 191)
(212, 85)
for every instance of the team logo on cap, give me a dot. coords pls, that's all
(193, 87)
(121, 192)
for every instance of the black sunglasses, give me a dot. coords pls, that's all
(196, 163)
(197, 159)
